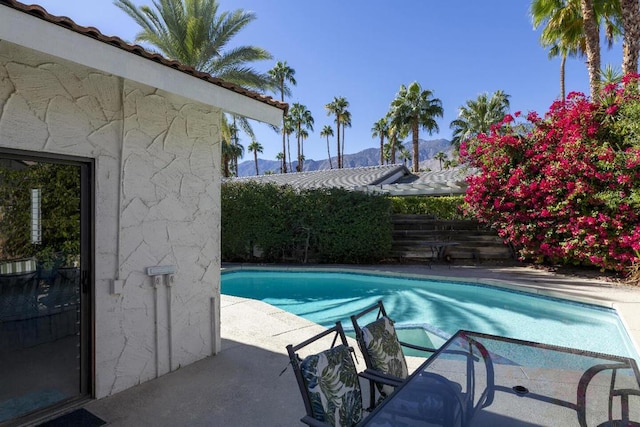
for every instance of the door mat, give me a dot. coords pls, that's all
(78, 418)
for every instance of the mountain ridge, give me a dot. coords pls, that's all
(367, 157)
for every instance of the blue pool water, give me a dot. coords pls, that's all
(438, 307)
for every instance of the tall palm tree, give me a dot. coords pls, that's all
(302, 119)
(416, 108)
(256, 147)
(304, 134)
(237, 149)
(283, 75)
(630, 11)
(288, 129)
(327, 131)
(380, 129)
(337, 107)
(196, 33)
(478, 115)
(345, 122)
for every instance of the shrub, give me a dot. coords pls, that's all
(566, 187)
(441, 207)
(327, 225)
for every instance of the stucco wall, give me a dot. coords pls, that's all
(157, 203)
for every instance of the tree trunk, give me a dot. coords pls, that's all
(416, 147)
(255, 157)
(338, 132)
(299, 166)
(592, 36)
(284, 148)
(631, 41)
(381, 148)
(342, 160)
(394, 138)
(563, 62)
(329, 153)
(289, 149)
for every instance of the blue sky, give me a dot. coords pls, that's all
(365, 49)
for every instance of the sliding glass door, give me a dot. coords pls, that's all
(45, 262)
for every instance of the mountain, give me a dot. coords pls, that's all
(366, 157)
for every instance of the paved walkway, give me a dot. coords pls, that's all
(242, 385)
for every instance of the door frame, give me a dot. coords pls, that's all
(87, 272)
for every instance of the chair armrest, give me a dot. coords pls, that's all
(312, 422)
(417, 347)
(381, 378)
(626, 392)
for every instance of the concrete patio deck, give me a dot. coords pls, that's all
(242, 385)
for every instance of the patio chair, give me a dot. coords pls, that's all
(338, 405)
(624, 395)
(382, 350)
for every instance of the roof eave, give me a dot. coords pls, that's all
(33, 28)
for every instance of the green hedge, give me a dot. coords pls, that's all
(445, 207)
(274, 223)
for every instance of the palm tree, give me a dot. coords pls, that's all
(478, 115)
(395, 133)
(282, 74)
(327, 131)
(300, 117)
(197, 34)
(564, 32)
(345, 120)
(237, 149)
(227, 157)
(416, 108)
(380, 129)
(631, 44)
(304, 134)
(280, 156)
(440, 157)
(256, 147)
(405, 155)
(337, 107)
(288, 129)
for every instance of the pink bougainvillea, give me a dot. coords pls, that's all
(565, 187)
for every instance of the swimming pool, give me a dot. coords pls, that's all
(435, 308)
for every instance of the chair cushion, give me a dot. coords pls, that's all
(384, 350)
(333, 386)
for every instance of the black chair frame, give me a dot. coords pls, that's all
(384, 379)
(339, 338)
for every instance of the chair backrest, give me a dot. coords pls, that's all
(328, 380)
(380, 345)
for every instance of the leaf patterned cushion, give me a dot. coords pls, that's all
(384, 350)
(333, 385)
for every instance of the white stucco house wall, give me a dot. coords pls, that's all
(151, 130)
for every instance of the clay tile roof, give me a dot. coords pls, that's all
(68, 23)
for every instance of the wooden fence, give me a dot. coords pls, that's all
(422, 237)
